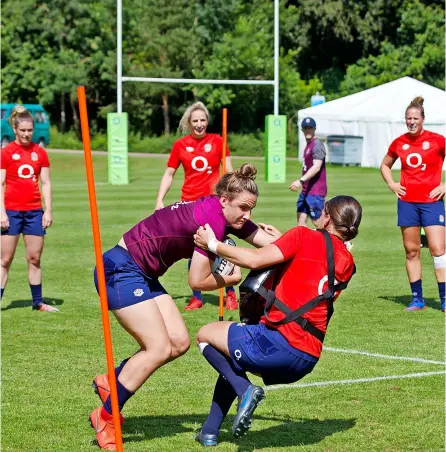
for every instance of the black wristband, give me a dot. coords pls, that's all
(301, 181)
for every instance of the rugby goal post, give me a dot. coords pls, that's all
(117, 122)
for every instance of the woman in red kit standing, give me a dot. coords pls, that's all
(420, 195)
(200, 153)
(21, 207)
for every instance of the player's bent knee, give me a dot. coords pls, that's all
(7, 261)
(180, 345)
(204, 333)
(34, 260)
(161, 351)
(440, 261)
(412, 255)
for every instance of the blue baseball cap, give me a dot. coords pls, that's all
(308, 122)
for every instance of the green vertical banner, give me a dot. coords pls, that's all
(275, 148)
(117, 132)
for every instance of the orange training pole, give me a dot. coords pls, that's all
(99, 264)
(223, 170)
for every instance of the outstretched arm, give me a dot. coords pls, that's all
(165, 184)
(314, 169)
(47, 219)
(4, 215)
(201, 277)
(243, 257)
(229, 168)
(263, 236)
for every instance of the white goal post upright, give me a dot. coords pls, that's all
(121, 79)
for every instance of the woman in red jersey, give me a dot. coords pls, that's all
(420, 195)
(287, 342)
(21, 208)
(200, 154)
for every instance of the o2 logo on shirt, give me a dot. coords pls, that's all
(26, 172)
(201, 164)
(415, 160)
(320, 288)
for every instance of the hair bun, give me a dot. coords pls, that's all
(418, 101)
(247, 170)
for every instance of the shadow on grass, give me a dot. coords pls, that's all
(16, 304)
(297, 432)
(405, 300)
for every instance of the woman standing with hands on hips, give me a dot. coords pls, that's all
(22, 163)
(200, 154)
(420, 194)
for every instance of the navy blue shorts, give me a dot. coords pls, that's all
(420, 213)
(126, 283)
(263, 350)
(27, 222)
(312, 205)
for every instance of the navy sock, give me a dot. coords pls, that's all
(416, 288)
(224, 366)
(3, 290)
(224, 395)
(118, 369)
(36, 292)
(230, 289)
(123, 395)
(442, 290)
(195, 293)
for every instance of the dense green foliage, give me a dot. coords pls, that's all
(335, 47)
(49, 360)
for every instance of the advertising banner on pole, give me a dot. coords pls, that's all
(275, 148)
(117, 134)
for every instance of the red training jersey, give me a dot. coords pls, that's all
(23, 166)
(303, 276)
(422, 160)
(201, 158)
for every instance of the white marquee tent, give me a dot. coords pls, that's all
(376, 115)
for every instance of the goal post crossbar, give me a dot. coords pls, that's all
(197, 81)
(121, 79)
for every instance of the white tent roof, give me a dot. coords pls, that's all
(385, 103)
(377, 115)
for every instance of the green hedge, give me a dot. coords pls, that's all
(251, 144)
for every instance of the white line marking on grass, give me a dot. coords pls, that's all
(379, 355)
(358, 380)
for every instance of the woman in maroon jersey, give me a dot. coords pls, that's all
(141, 304)
(21, 207)
(200, 154)
(286, 344)
(420, 196)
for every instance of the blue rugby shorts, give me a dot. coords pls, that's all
(263, 350)
(126, 283)
(27, 222)
(421, 213)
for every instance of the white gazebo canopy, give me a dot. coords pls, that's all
(376, 115)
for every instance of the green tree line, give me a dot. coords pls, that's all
(336, 47)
